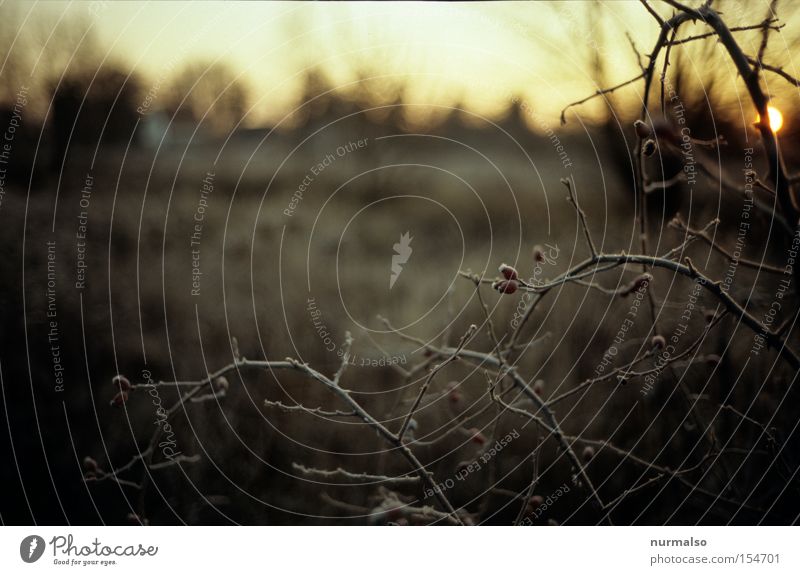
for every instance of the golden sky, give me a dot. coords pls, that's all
(443, 53)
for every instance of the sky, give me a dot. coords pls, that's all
(446, 54)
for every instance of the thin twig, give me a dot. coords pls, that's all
(768, 19)
(531, 486)
(653, 13)
(309, 410)
(581, 215)
(464, 339)
(678, 223)
(774, 69)
(732, 29)
(596, 94)
(360, 477)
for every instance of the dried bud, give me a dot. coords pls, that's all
(454, 395)
(713, 359)
(508, 272)
(649, 148)
(221, 383)
(506, 286)
(642, 129)
(709, 315)
(477, 436)
(538, 387)
(658, 341)
(552, 522)
(89, 464)
(538, 253)
(535, 501)
(588, 453)
(119, 399)
(638, 283)
(412, 424)
(121, 382)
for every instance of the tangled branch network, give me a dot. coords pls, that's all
(703, 466)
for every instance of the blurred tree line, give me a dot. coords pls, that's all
(79, 97)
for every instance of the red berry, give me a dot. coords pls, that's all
(120, 399)
(535, 501)
(121, 382)
(454, 395)
(477, 436)
(538, 387)
(508, 272)
(506, 286)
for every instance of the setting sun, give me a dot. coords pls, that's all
(775, 118)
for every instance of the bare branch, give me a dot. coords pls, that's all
(425, 513)
(452, 357)
(581, 215)
(765, 30)
(340, 473)
(653, 13)
(177, 460)
(774, 69)
(597, 94)
(678, 223)
(348, 343)
(532, 485)
(308, 410)
(732, 29)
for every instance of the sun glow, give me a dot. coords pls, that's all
(775, 119)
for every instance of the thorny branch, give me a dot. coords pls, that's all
(500, 365)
